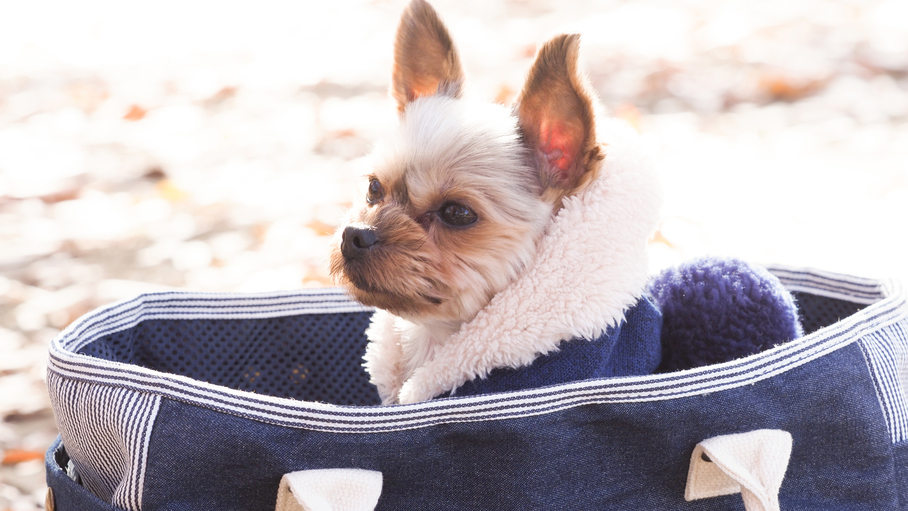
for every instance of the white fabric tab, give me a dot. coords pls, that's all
(752, 464)
(338, 489)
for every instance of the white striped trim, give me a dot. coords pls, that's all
(106, 431)
(831, 285)
(890, 307)
(886, 352)
(180, 305)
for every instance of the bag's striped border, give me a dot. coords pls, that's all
(186, 305)
(888, 307)
(832, 285)
(107, 431)
(886, 349)
(886, 352)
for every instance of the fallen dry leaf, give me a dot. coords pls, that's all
(527, 51)
(505, 95)
(317, 279)
(321, 228)
(135, 113)
(341, 133)
(88, 95)
(155, 174)
(658, 237)
(220, 96)
(785, 88)
(168, 190)
(16, 456)
(63, 195)
(630, 114)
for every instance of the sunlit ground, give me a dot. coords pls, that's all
(215, 145)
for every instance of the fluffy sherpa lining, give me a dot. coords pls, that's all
(590, 267)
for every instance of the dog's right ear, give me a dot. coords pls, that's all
(555, 110)
(425, 60)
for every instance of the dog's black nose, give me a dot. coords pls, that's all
(355, 242)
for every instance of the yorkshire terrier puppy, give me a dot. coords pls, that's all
(459, 196)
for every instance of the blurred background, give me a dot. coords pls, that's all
(215, 145)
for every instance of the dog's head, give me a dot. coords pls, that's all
(461, 193)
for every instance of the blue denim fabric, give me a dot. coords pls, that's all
(630, 456)
(901, 471)
(68, 496)
(632, 348)
(607, 443)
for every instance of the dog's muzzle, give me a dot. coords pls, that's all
(357, 242)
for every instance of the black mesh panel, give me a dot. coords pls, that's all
(313, 357)
(818, 311)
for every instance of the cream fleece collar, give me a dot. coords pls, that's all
(590, 267)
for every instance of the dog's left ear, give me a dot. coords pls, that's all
(425, 60)
(556, 116)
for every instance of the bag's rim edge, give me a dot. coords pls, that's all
(890, 307)
(831, 285)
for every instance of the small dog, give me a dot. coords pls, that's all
(458, 202)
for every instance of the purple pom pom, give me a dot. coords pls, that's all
(716, 310)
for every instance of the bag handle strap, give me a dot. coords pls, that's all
(752, 464)
(338, 489)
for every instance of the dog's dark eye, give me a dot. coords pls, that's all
(376, 192)
(456, 214)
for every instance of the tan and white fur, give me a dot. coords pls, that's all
(464, 200)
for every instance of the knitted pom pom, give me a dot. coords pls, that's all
(715, 310)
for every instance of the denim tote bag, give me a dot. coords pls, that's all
(191, 401)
